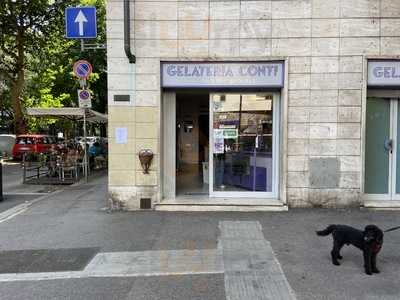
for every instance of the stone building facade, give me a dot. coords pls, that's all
(324, 46)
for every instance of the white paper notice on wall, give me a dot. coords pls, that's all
(121, 135)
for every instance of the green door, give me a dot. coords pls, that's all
(397, 149)
(377, 175)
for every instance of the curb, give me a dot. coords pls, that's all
(18, 209)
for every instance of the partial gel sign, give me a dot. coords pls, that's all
(384, 73)
(214, 75)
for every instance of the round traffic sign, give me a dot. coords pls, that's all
(82, 69)
(84, 95)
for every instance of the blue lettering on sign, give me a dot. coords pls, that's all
(222, 74)
(199, 71)
(378, 72)
(258, 71)
(171, 70)
(386, 72)
(222, 71)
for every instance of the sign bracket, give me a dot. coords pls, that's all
(94, 46)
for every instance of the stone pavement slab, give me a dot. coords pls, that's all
(251, 268)
(152, 263)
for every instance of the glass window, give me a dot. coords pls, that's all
(243, 142)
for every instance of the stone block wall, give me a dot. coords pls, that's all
(325, 43)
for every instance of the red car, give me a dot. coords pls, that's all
(34, 143)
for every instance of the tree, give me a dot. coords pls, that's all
(26, 28)
(5, 107)
(51, 83)
(46, 79)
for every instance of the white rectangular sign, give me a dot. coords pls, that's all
(85, 99)
(384, 73)
(224, 74)
(121, 135)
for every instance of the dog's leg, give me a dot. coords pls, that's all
(367, 262)
(335, 252)
(373, 263)
(340, 246)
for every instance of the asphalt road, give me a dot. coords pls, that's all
(76, 218)
(199, 287)
(10, 200)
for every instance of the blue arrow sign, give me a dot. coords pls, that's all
(80, 22)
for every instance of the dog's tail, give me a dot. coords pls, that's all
(326, 231)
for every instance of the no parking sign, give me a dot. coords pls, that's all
(82, 69)
(84, 99)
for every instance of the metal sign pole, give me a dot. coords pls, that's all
(82, 70)
(84, 140)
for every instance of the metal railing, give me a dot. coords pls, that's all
(28, 166)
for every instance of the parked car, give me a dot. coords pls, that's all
(32, 143)
(7, 142)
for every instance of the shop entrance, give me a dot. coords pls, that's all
(192, 144)
(382, 149)
(220, 145)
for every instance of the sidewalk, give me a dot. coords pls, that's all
(75, 218)
(13, 181)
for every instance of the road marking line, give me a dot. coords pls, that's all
(252, 270)
(26, 194)
(14, 277)
(14, 211)
(136, 264)
(164, 261)
(19, 209)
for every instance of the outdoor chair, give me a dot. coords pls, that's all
(100, 162)
(80, 163)
(68, 166)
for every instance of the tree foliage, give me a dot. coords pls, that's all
(36, 60)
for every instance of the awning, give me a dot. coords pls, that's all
(71, 113)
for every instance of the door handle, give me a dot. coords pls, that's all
(388, 145)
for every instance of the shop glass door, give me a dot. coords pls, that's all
(382, 149)
(244, 136)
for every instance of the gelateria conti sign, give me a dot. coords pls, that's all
(214, 75)
(384, 73)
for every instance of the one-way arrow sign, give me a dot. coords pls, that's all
(80, 22)
(80, 18)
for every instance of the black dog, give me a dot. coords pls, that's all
(369, 241)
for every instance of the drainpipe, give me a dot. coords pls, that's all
(127, 32)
